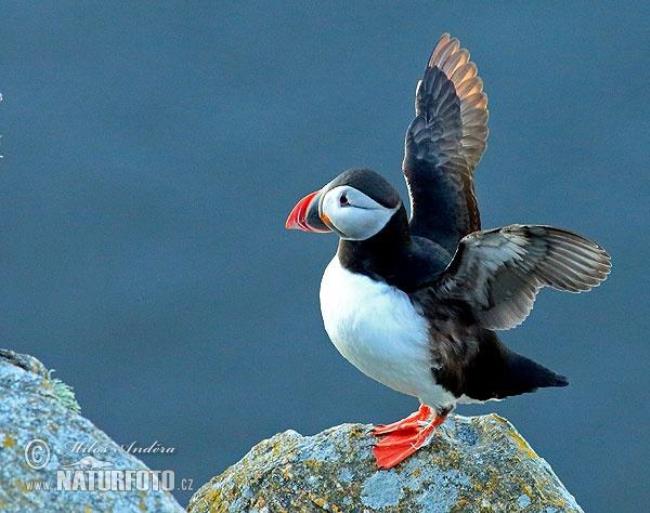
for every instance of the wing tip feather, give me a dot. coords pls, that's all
(455, 63)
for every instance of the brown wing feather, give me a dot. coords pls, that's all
(468, 86)
(498, 273)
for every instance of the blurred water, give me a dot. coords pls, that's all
(153, 152)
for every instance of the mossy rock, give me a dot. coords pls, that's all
(477, 464)
(37, 409)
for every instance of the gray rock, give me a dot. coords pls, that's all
(477, 464)
(473, 464)
(39, 427)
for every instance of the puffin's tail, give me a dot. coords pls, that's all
(524, 375)
(498, 372)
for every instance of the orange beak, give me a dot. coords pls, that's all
(304, 216)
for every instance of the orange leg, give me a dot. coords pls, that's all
(399, 440)
(423, 414)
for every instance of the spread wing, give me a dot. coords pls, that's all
(498, 273)
(443, 145)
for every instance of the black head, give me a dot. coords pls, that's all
(370, 183)
(356, 205)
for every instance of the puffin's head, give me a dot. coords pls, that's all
(356, 205)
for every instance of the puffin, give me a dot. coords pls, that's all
(415, 302)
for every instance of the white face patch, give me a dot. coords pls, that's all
(354, 214)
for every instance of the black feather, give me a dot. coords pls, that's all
(496, 372)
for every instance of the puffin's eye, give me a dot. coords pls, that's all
(343, 200)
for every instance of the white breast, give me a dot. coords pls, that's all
(376, 328)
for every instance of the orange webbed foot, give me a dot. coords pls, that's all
(399, 440)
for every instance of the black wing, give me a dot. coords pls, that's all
(443, 145)
(498, 273)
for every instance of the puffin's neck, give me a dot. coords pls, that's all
(382, 256)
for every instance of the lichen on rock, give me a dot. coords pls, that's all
(473, 464)
(38, 409)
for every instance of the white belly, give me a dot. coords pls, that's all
(377, 329)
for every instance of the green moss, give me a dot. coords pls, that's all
(65, 395)
(62, 392)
